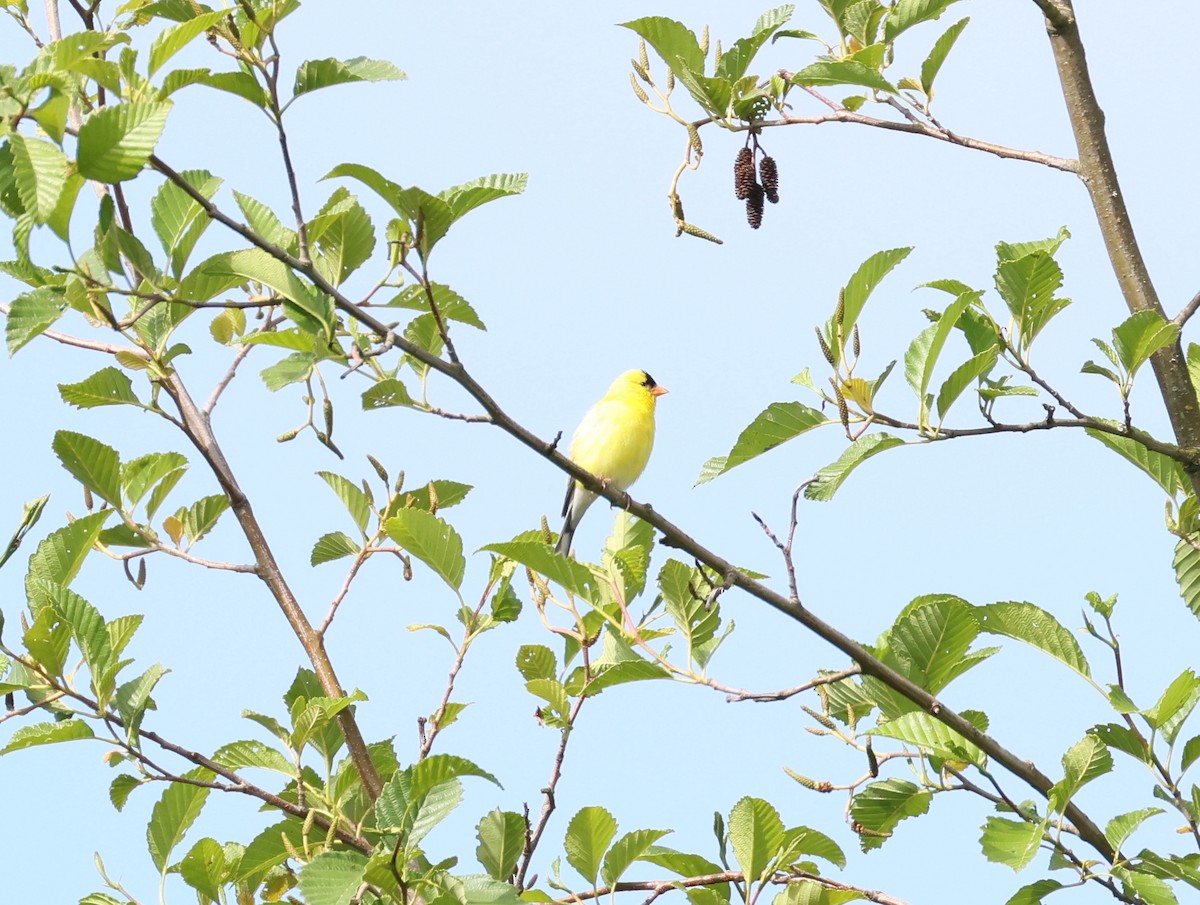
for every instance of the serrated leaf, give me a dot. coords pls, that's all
(204, 868)
(173, 814)
(444, 493)
(333, 878)
(108, 386)
(387, 392)
(202, 516)
(115, 142)
(963, 376)
(907, 13)
(59, 556)
(924, 731)
(315, 74)
(450, 305)
(1027, 285)
(1187, 573)
(501, 836)
(332, 546)
(625, 851)
(1164, 470)
(778, 423)
(589, 834)
(178, 219)
(830, 478)
(470, 195)
(311, 310)
(620, 673)
(930, 640)
(1033, 625)
(251, 753)
(342, 236)
(47, 734)
(432, 540)
(1140, 336)
(1174, 705)
(1123, 826)
(92, 463)
(572, 575)
(29, 316)
(536, 661)
(1011, 842)
(352, 498)
(1086, 759)
(120, 788)
(756, 832)
(673, 41)
(937, 56)
(39, 173)
(132, 699)
(174, 38)
(842, 72)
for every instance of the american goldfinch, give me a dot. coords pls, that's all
(613, 442)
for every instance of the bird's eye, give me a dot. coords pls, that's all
(648, 383)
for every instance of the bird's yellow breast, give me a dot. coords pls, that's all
(615, 438)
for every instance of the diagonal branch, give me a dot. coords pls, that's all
(673, 535)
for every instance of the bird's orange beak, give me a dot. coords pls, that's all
(659, 391)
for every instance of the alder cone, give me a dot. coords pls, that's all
(743, 174)
(768, 172)
(754, 206)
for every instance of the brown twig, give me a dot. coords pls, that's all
(826, 679)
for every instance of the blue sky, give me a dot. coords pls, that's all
(577, 280)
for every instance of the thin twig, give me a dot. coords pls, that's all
(1188, 310)
(826, 679)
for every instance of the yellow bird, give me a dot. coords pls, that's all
(613, 442)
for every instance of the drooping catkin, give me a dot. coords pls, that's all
(743, 174)
(768, 174)
(754, 206)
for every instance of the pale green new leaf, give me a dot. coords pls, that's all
(1034, 893)
(432, 540)
(931, 639)
(832, 476)
(738, 56)
(1033, 625)
(31, 512)
(352, 498)
(536, 661)
(589, 834)
(924, 731)
(95, 465)
(205, 869)
(778, 423)
(1175, 705)
(937, 56)
(1027, 285)
(60, 554)
(315, 74)
(47, 734)
(501, 836)
(331, 546)
(756, 833)
(671, 40)
(312, 311)
(173, 814)
(115, 142)
(571, 574)
(1011, 842)
(263, 221)
(108, 386)
(201, 517)
(1164, 470)
(930, 352)
(178, 219)
(470, 195)
(133, 698)
(1140, 336)
(386, 393)
(451, 306)
(251, 753)
(1086, 760)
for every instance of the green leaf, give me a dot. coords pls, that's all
(571, 574)
(738, 56)
(437, 769)
(1175, 705)
(332, 546)
(864, 281)
(95, 465)
(311, 310)
(756, 832)
(89, 631)
(778, 423)
(115, 142)
(173, 814)
(386, 393)
(450, 305)
(501, 836)
(1123, 826)
(263, 221)
(831, 477)
(1122, 738)
(30, 514)
(1033, 625)
(939, 333)
(842, 72)
(1141, 335)
(178, 219)
(536, 661)
(31, 313)
(342, 236)
(352, 498)
(120, 789)
(924, 731)
(589, 834)
(268, 849)
(108, 386)
(59, 556)
(930, 641)
(673, 41)
(1164, 470)
(239, 755)
(432, 540)
(1148, 889)
(174, 38)
(333, 878)
(205, 869)
(444, 493)
(625, 851)
(47, 734)
(967, 373)
(315, 74)
(1027, 286)
(626, 671)
(907, 13)
(133, 698)
(201, 517)
(1187, 573)
(1087, 759)
(1011, 842)
(937, 56)
(1034, 893)
(470, 195)
(40, 174)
